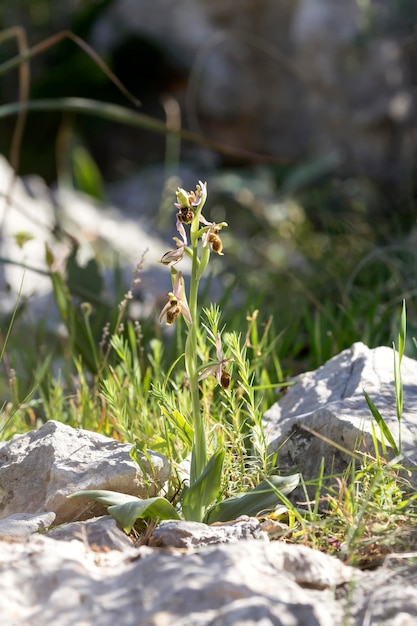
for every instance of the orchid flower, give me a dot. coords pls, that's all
(191, 199)
(211, 237)
(177, 303)
(172, 257)
(217, 367)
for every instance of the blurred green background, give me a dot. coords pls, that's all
(316, 240)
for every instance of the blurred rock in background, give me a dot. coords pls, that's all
(356, 59)
(289, 78)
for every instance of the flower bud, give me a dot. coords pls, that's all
(183, 198)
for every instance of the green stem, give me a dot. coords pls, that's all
(199, 452)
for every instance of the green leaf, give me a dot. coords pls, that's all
(83, 278)
(397, 363)
(87, 176)
(63, 300)
(381, 423)
(181, 425)
(49, 257)
(108, 498)
(79, 333)
(398, 384)
(157, 508)
(402, 333)
(22, 237)
(263, 497)
(140, 454)
(310, 172)
(105, 110)
(205, 490)
(126, 509)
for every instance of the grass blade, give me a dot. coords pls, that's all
(123, 115)
(381, 423)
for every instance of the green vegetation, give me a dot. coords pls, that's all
(198, 394)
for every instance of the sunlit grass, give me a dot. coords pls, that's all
(140, 396)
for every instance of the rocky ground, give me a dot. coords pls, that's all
(66, 562)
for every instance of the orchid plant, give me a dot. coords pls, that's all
(197, 239)
(204, 238)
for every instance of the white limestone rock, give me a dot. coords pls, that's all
(31, 208)
(330, 401)
(22, 525)
(184, 534)
(44, 581)
(98, 533)
(40, 468)
(51, 582)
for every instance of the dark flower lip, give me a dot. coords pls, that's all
(171, 314)
(215, 243)
(225, 379)
(185, 215)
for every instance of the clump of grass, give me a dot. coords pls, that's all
(366, 513)
(370, 510)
